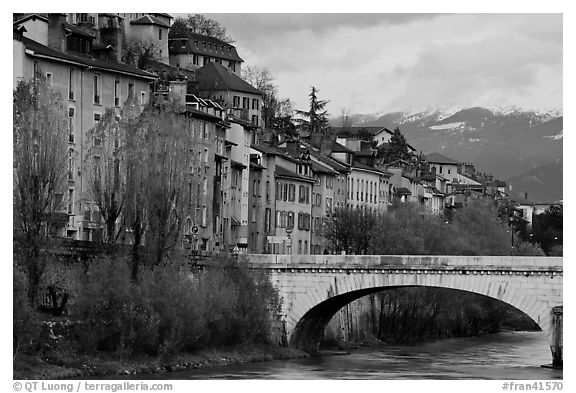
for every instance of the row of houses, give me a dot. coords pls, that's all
(247, 195)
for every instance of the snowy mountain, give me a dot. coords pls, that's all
(506, 141)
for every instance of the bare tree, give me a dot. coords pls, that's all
(350, 230)
(40, 159)
(274, 109)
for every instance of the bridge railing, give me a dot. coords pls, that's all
(406, 262)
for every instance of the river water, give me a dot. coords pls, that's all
(510, 355)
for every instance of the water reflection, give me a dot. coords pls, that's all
(517, 355)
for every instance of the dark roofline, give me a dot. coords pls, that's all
(31, 16)
(36, 49)
(288, 174)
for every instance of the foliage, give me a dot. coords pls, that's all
(351, 230)
(25, 321)
(171, 310)
(406, 229)
(548, 230)
(140, 53)
(40, 162)
(316, 118)
(199, 24)
(396, 149)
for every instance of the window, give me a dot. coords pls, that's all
(117, 91)
(285, 192)
(301, 196)
(253, 215)
(195, 59)
(254, 193)
(71, 113)
(206, 60)
(300, 220)
(142, 98)
(290, 220)
(205, 186)
(291, 192)
(278, 191)
(299, 246)
(97, 140)
(245, 102)
(267, 214)
(71, 84)
(96, 88)
(71, 164)
(236, 102)
(70, 200)
(255, 103)
(205, 156)
(307, 196)
(278, 219)
(305, 246)
(255, 120)
(49, 79)
(328, 204)
(440, 168)
(130, 89)
(204, 216)
(267, 190)
(160, 34)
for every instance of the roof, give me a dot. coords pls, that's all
(256, 166)
(338, 148)
(214, 76)
(267, 150)
(39, 50)
(77, 30)
(386, 130)
(284, 172)
(402, 191)
(33, 17)
(438, 158)
(148, 20)
(203, 45)
(320, 168)
(359, 165)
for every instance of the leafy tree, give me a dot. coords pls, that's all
(40, 163)
(396, 149)
(141, 53)
(199, 24)
(317, 116)
(548, 230)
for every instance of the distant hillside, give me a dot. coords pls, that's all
(543, 184)
(504, 142)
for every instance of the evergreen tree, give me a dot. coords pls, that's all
(317, 116)
(395, 149)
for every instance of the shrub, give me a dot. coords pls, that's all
(25, 320)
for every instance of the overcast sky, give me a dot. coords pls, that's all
(368, 63)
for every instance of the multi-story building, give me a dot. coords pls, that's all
(88, 86)
(149, 28)
(238, 97)
(196, 50)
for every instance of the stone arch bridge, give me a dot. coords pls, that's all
(314, 287)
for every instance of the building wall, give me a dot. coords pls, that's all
(84, 109)
(364, 187)
(37, 30)
(152, 33)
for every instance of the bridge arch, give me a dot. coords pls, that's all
(314, 287)
(309, 330)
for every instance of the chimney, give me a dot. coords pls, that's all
(56, 31)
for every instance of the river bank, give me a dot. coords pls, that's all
(69, 365)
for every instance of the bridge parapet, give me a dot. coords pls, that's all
(407, 262)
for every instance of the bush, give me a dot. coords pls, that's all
(171, 310)
(25, 320)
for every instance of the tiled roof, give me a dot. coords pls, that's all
(214, 76)
(33, 17)
(284, 172)
(77, 30)
(203, 45)
(267, 149)
(438, 158)
(44, 51)
(148, 20)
